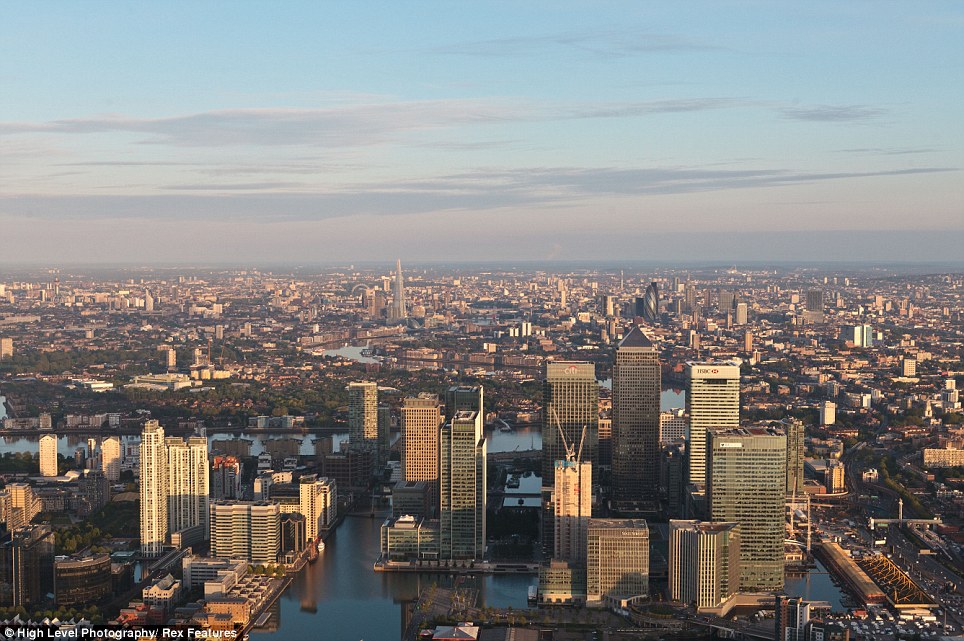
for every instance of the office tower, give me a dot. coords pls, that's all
(740, 317)
(6, 348)
(726, 300)
(464, 398)
(651, 303)
(572, 509)
(384, 435)
(828, 413)
(712, 402)
(246, 530)
(188, 480)
(225, 478)
(398, 310)
(636, 421)
(704, 562)
(746, 484)
(110, 458)
(690, 296)
(672, 477)
(48, 455)
(363, 414)
(638, 307)
(421, 419)
(791, 618)
(617, 560)
(27, 566)
(22, 505)
(462, 483)
(153, 489)
(570, 403)
(607, 305)
(795, 451)
(815, 300)
(748, 342)
(318, 503)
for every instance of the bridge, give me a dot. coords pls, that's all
(514, 454)
(927, 522)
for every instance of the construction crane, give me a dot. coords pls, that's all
(572, 457)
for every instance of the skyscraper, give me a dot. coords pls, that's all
(636, 449)
(421, 419)
(795, 451)
(712, 402)
(153, 489)
(617, 560)
(462, 479)
(399, 311)
(459, 398)
(572, 509)
(651, 303)
(815, 300)
(27, 566)
(570, 403)
(704, 562)
(363, 413)
(48, 455)
(188, 479)
(110, 458)
(746, 484)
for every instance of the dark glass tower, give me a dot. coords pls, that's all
(636, 451)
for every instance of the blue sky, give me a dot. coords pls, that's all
(251, 131)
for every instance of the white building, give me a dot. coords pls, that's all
(828, 413)
(318, 504)
(48, 455)
(153, 487)
(110, 458)
(187, 483)
(712, 402)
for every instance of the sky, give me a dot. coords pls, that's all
(245, 132)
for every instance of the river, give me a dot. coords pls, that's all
(523, 437)
(340, 597)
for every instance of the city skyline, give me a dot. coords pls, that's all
(696, 131)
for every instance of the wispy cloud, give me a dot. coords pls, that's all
(349, 125)
(833, 113)
(892, 151)
(601, 43)
(480, 190)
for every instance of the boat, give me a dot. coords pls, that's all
(320, 546)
